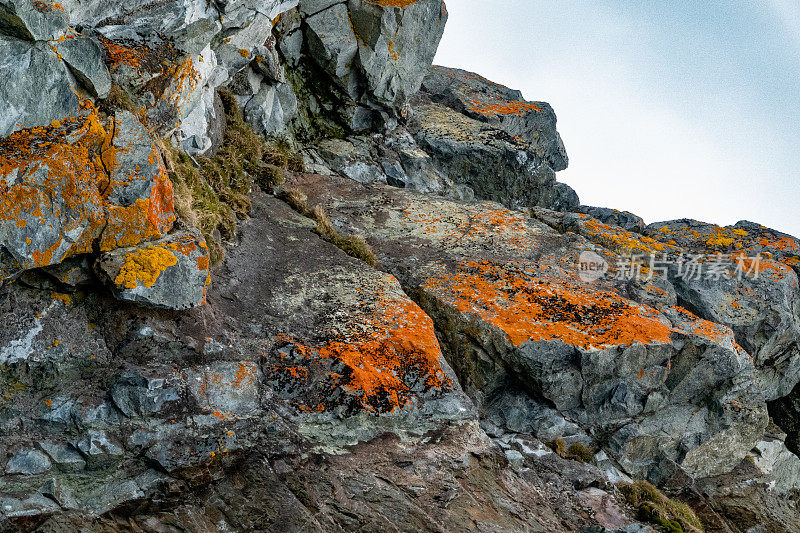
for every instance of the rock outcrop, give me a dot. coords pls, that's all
(400, 319)
(486, 136)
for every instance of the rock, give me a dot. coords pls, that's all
(639, 376)
(35, 89)
(65, 456)
(271, 108)
(28, 462)
(85, 60)
(756, 296)
(624, 219)
(606, 510)
(98, 449)
(32, 20)
(386, 372)
(396, 44)
(778, 464)
(189, 24)
(136, 395)
(497, 165)
(531, 123)
(56, 202)
(172, 273)
(54, 490)
(362, 60)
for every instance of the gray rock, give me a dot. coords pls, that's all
(65, 456)
(495, 165)
(28, 462)
(35, 88)
(172, 273)
(136, 395)
(32, 20)
(98, 449)
(673, 386)
(533, 123)
(623, 219)
(85, 60)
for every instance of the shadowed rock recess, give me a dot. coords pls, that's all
(396, 330)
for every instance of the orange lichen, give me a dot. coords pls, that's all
(388, 351)
(145, 266)
(402, 4)
(719, 239)
(620, 240)
(498, 107)
(65, 299)
(529, 308)
(64, 173)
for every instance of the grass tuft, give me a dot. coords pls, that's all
(654, 507)
(212, 193)
(576, 452)
(352, 245)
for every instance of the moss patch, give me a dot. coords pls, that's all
(212, 193)
(654, 507)
(576, 452)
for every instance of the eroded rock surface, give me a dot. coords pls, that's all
(505, 292)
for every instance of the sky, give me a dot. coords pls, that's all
(680, 109)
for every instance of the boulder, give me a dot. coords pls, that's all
(624, 219)
(357, 63)
(35, 88)
(77, 183)
(34, 20)
(172, 272)
(28, 462)
(748, 283)
(85, 60)
(533, 123)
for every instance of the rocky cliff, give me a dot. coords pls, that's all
(264, 268)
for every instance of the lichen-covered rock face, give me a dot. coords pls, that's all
(533, 123)
(306, 389)
(506, 293)
(335, 337)
(172, 272)
(299, 348)
(487, 137)
(77, 183)
(614, 217)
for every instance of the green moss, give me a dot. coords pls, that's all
(654, 507)
(576, 452)
(212, 193)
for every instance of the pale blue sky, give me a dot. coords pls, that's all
(667, 109)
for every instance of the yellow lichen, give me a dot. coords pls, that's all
(145, 266)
